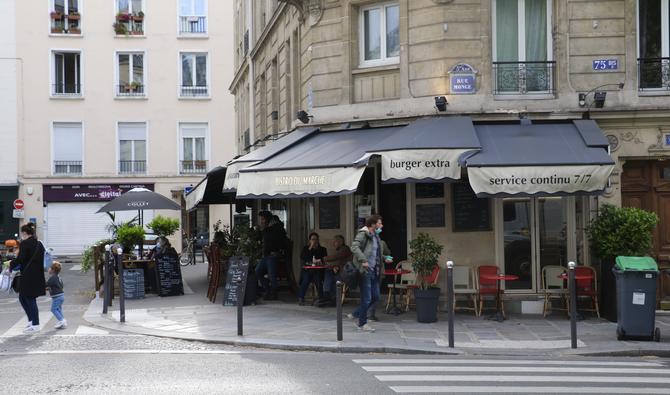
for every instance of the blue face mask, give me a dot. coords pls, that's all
(378, 231)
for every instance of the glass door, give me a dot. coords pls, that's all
(518, 237)
(552, 230)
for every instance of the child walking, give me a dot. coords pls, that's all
(55, 286)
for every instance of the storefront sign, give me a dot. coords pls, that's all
(463, 79)
(88, 192)
(304, 182)
(539, 179)
(434, 164)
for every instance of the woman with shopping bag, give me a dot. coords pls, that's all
(29, 282)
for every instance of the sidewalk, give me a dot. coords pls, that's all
(283, 325)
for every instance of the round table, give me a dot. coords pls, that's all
(499, 316)
(395, 310)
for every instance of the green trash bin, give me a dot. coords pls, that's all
(636, 298)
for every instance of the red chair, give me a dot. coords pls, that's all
(431, 280)
(587, 288)
(487, 287)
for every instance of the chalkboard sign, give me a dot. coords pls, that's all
(169, 274)
(429, 191)
(133, 283)
(329, 212)
(430, 215)
(471, 214)
(238, 269)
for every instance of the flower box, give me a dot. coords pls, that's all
(56, 15)
(138, 18)
(73, 17)
(74, 30)
(122, 17)
(57, 30)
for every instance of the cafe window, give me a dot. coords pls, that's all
(193, 152)
(67, 147)
(132, 148)
(379, 34)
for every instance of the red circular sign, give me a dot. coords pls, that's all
(18, 204)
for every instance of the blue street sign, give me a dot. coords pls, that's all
(606, 64)
(667, 139)
(462, 83)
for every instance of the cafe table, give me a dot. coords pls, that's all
(565, 277)
(499, 316)
(394, 309)
(316, 267)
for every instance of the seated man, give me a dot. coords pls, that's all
(337, 261)
(312, 255)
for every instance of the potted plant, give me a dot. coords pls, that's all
(138, 17)
(120, 28)
(425, 252)
(123, 17)
(129, 236)
(56, 15)
(74, 30)
(227, 238)
(618, 231)
(57, 29)
(73, 16)
(163, 226)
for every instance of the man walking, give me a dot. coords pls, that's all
(367, 251)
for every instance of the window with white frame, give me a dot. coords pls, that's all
(65, 17)
(522, 50)
(66, 79)
(129, 17)
(653, 45)
(194, 75)
(132, 147)
(130, 74)
(193, 16)
(193, 150)
(379, 34)
(67, 148)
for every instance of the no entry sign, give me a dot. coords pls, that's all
(18, 204)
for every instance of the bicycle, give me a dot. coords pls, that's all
(187, 256)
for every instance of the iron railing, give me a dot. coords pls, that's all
(193, 166)
(132, 166)
(653, 73)
(193, 24)
(131, 27)
(66, 89)
(67, 167)
(130, 90)
(194, 91)
(523, 78)
(65, 23)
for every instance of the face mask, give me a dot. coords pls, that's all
(378, 231)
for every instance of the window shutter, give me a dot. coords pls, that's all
(67, 143)
(132, 131)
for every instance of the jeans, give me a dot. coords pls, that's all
(369, 286)
(29, 305)
(56, 306)
(307, 277)
(329, 283)
(268, 264)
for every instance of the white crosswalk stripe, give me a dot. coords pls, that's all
(47, 322)
(456, 375)
(20, 325)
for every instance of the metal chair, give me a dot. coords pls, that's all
(405, 265)
(587, 288)
(465, 284)
(431, 280)
(553, 287)
(487, 287)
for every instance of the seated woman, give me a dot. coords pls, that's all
(312, 254)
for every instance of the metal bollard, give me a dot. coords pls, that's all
(240, 306)
(106, 300)
(122, 298)
(450, 301)
(573, 304)
(338, 303)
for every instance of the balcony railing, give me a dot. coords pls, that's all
(523, 78)
(653, 73)
(129, 25)
(65, 23)
(132, 90)
(66, 89)
(193, 24)
(193, 166)
(194, 91)
(67, 167)
(132, 166)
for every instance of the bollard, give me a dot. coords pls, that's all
(338, 303)
(106, 300)
(240, 305)
(573, 304)
(122, 298)
(450, 301)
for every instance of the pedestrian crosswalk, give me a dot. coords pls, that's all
(559, 376)
(47, 323)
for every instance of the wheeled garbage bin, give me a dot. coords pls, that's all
(636, 298)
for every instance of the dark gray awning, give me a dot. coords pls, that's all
(539, 158)
(210, 190)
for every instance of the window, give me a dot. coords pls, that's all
(66, 74)
(379, 35)
(522, 52)
(130, 74)
(193, 16)
(193, 148)
(654, 44)
(132, 148)
(194, 75)
(67, 148)
(65, 17)
(129, 17)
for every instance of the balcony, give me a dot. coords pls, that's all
(653, 74)
(130, 90)
(192, 24)
(66, 90)
(193, 167)
(65, 23)
(70, 168)
(129, 24)
(194, 91)
(523, 78)
(132, 166)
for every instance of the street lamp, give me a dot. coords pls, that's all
(598, 97)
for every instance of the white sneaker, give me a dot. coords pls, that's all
(366, 328)
(32, 329)
(29, 324)
(61, 324)
(350, 316)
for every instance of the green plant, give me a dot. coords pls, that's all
(621, 231)
(113, 226)
(227, 238)
(88, 256)
(129, 236)
(249, 242)
(163, 226)
(120, 28)
(424, 255)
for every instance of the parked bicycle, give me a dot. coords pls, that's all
(187, 256)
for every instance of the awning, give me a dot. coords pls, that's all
(210, 190)
(540, 159)
(261, 154)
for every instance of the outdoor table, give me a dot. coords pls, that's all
(317, 267)
(565, 277)
(498, 316)
(395, 310)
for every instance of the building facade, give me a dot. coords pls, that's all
(115, 95)
(350, 63)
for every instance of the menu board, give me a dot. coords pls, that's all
(471, 214)
(329, 212)
(169, 274)
(430, 215)
(238, 269)
(133, 283)
(429, 190)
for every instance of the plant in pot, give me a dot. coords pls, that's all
(227, 238)
(120, 28)
(129, 236)
(73, 16)
(56, 15)
(138, 17)
(618, 231)
(163, 226)
(425, 252)
(123, 17)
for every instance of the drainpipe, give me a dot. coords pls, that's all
(252, 85)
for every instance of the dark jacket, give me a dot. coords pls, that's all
(307, 254)
(55, 285)
(31, 259)
(361, 248)
(274, 238)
